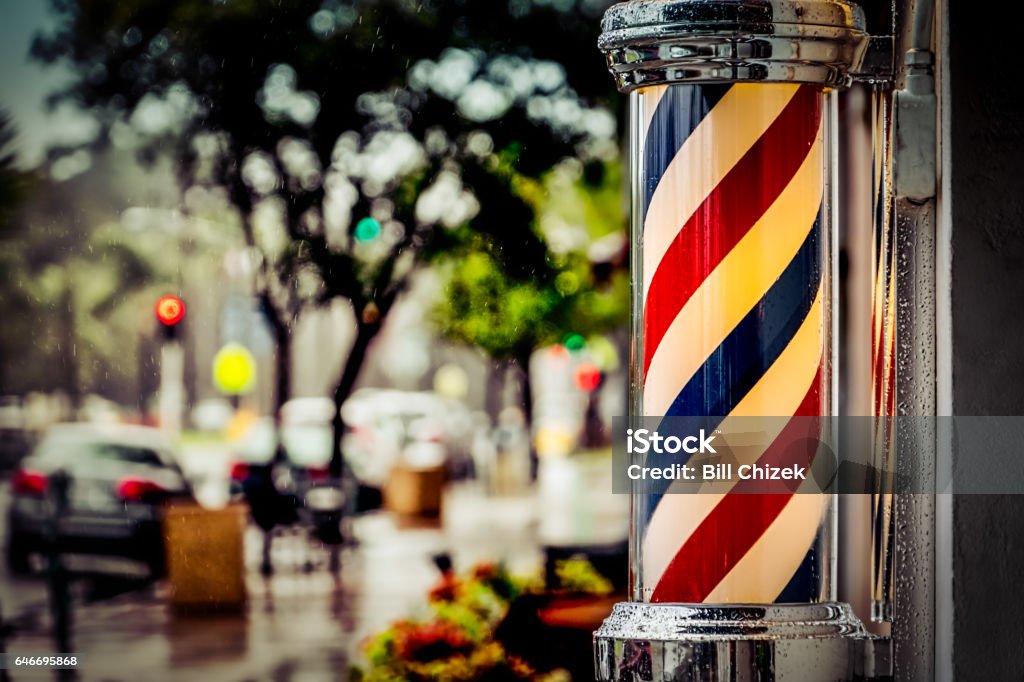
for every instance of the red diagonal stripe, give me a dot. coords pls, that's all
(877, 354)
(890, 388)
(736, 523)
(728, 213)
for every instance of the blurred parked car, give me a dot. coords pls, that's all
(385, 425)
(285, 477)
(118, 477)
(275, 476)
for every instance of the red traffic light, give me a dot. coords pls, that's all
(170, 310)
(588, 376)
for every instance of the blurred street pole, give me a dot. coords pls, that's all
(57, 577)
(69, 338)
(4, 675)
(172, 385)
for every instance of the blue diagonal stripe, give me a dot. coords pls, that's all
(753, 346)
(803, 586)
(679, 112)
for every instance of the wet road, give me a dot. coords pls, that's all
(304, 624)
(301, 625)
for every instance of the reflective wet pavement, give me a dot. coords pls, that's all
(303, 624)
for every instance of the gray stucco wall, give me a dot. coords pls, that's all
(987, 115)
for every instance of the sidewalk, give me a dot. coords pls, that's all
(298, 626)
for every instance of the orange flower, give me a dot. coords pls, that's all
(447, 589)
(485, 571)
(431, 642)
(520, 668)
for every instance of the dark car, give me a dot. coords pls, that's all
(118, 477)
(286, 480)
(275, 476)
(307, 448)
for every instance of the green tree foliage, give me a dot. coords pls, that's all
(12, 181)
(306, 116)
(14, 299)
(585, 290)
(70, 286)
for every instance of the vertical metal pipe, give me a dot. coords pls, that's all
(914, 254)
(914, 563)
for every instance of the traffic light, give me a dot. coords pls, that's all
(574, 342)
(588, 377)
(367, 230)
(170, 311)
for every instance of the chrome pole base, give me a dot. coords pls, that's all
(756, 642)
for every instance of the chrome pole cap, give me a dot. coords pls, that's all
(651, 42)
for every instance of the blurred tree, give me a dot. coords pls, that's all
(579, 216)
(354, 138)
(14, 301)
(69, 289)
(12, 180)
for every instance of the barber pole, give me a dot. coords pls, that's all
(732, 155)
(734, 321)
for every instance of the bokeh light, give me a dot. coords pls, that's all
(574, 342)
(587, 376)
(234, 369)
(367, 229)
(170, 310)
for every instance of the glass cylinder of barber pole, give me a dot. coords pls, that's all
(732, 152)
(733, 268)
(883, 358)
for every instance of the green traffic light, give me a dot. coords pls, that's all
(574, 342)
(367, 229)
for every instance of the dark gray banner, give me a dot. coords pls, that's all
(794, 455)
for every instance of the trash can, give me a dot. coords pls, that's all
(205, 558)
(414, 490)
(416, 481)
